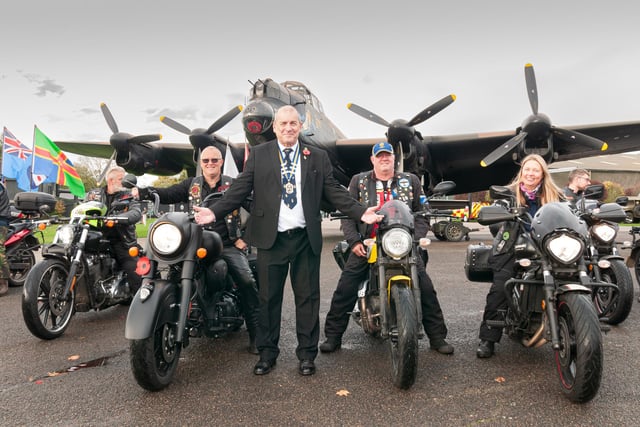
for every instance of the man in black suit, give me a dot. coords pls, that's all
(288, 180)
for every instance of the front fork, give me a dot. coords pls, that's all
(77, 259)
(186, 283)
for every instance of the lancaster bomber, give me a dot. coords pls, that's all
(473, 161)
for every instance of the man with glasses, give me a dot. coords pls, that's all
(194, 191)
(579, 179)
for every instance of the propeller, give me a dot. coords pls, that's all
(201, 138)
(536, 131)
(402, 131)
(121, 141)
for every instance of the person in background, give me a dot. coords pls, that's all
(407, 188)
(5, 218)
(194, 190)
(579, 179)
(120, 202)
(533, 187)
(288, 180)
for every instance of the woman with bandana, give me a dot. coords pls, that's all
(533, 187)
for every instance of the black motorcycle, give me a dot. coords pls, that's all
(77, 273)
(185, 293)
(633, 260)
(614, 298)
(388, 303)
(549, 298)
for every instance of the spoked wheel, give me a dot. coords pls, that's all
(154, 359)
(403, 337)
(454, 231)
(20, 263)
(579, 360)
(613, 304)
(46, 313)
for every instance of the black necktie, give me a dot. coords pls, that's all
(289, 180)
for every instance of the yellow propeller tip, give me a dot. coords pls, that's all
(162, 118)
(528, 65)
(102, 104)
(240, 107)
(160, 137)
(605, 146)
(453, 96)
(349, 105)
(483, 164)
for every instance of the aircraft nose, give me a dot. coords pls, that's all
(257, 117)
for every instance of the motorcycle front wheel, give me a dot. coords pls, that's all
(154, 359)
(579, 360)
(20, 261)
(614, 305)
(46, 314)
(403, 336)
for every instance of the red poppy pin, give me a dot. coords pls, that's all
(305, 152)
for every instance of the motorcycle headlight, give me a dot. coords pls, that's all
(605, 233)
(165, 239)
(64, 235)
(396, 243)
(565, 248)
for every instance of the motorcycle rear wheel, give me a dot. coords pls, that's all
(614, 305)
(579, 360)
(154, 359)
(45, 313)
(26, 259)
(404, 343)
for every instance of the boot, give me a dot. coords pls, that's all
(4, 286)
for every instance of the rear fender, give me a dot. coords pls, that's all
(142, 314)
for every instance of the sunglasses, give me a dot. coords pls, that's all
(213, 161)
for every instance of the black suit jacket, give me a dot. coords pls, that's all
(261, 175)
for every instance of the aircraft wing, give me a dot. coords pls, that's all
(161, 158)
(457, 157)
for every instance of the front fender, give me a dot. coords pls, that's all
(573, 287)
(142, 314)
(612, 257)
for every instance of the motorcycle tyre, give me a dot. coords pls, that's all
(636, 267)
(37, 298)
(17, 278)
(404, 352)
(579, 361)
(154, 359)
(622, 300)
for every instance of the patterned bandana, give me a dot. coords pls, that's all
(531, 195)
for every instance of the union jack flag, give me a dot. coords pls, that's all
(15, 147)
(16, 161)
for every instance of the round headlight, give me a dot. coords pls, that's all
(64, 235)
(396, 243)
(565, 248)
(165, 239)
(604, 232)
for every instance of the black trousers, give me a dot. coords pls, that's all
(242, 276)
(127, 263)
(345, 296)
(503, 270)
(291, 254)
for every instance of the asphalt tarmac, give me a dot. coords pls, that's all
(84, 377)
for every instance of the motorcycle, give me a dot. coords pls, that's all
(614, 299)
(388, 304)
(24, 236)
(549, 297)
(185, 293)
(77, 273)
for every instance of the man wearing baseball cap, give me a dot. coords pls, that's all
(367, 187)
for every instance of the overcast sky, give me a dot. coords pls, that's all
(191, 61)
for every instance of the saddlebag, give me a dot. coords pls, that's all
(476, 263)
(32, 202)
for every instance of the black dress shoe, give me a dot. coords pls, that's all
(485, 349)
(330, 345)
(307, 367)
(263, 367)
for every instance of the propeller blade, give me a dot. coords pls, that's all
(579, 138)
(432, 110)
(532, 89)
(503, 149)
(109, 118)
(226, 118)
(141, 139)
(175, 125)
(363, 112)
(106, 168)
